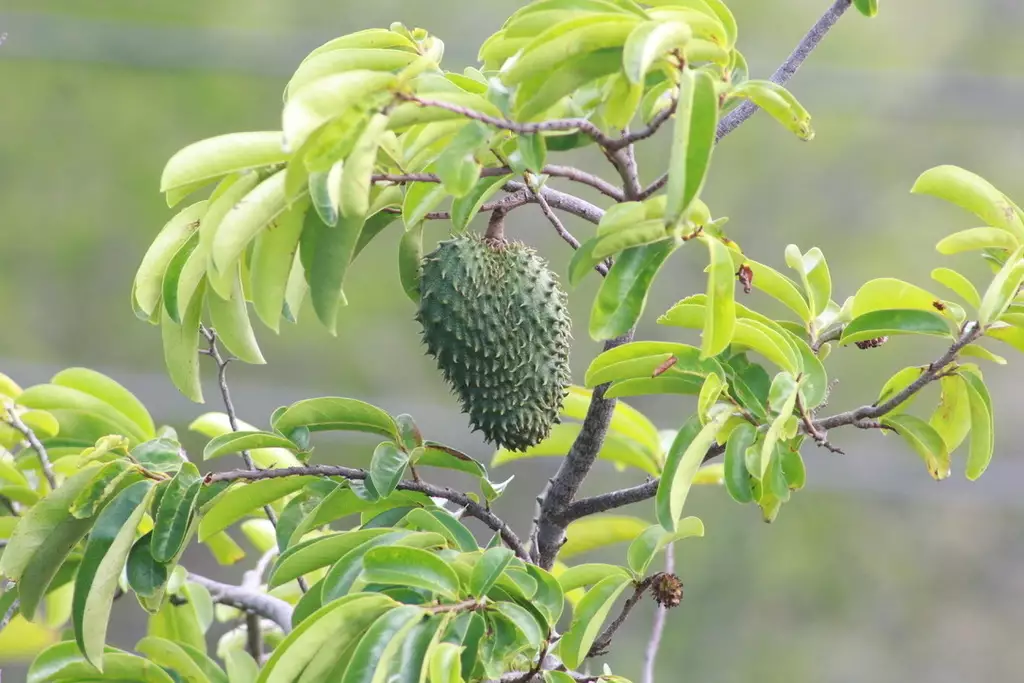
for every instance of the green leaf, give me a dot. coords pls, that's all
(598, 531)
(330, 413)
(977, 351)
(952, 417)
(335, 626)
(382, 642)
(635, 360)
(209, 159)
(457, 165)
(617, 449)
(782, 399)
(326, 254)
(421, 199)
(239, 501)
(357, 176)
(464, 208)
(780, 287)
(110, 392)
(814, 275)
(414, 661)
(588, 618)
(779, 103)
(626, 420)
(410, 567)
(148, 284)
(439, 455)
(487, 570)
(410, 256)
(175, 513)
(557, 677)
(737, 477)
(868, 8)
(710, 392)
(230, 317)
(193, 667)
(181, 347)
(684, 459)
(387, 467)
(63, 662)
(445, 663)
(720, 321)
(976, 239)
(343, 574)
(890, 293)
(982, 442)
(693, 140)
(924, 440)
(41, 521)
(110, 541)
(653, 540)
(893, 322)
(623, 294)
(973, 193)
(159, 455)
(326, 98)
(897, 383)
(111, 479)
(256, 212)
(53, 397)
(649, 41)
(536, 96)
(310, 555)
(242, 668)
(588, 574)
(236, 442)
(959, 284)
(606, 244)
(146, 576)
(274, 254)
(1004, 287)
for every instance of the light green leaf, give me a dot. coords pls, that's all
(107, 390)
(358, 172)
(445, 663)
(410, 567)
(924, 440)
(193, 667)
(54, 397)
(598, 531)
(890, 293)
(959, 284)
(782, 399)
(982, 442)
(649, 41)
(257, 211)
(230, 317)
(239, 501)
(618, 449)
(684, 459)
(720, 321)
(897, 383)
(236, 442)
(464, 208)
(181, 347)
(868, 8)
(973, 193)
(779, 103)
(110, 541)
(315, 104)
(653, 540)
(209, 159)
(410, 257)
(978, 351)
(588, 619)
(623, 295)
(710, 392)
(387, 467)
(421, 199)
(893, 322)
(573, 578)
(332, 414)
(310, 555)
(457, 165)
(1004, 287)
(814, 275)
(383, 641)
(693, 140)
(780, 287)
(952, 417)
(626, 420)
(606, 244)
(976, 239)
(536, 96)
(642, 359)
(174, 514)
(148, 284)
(242, 668)
(62, 662)
(488, 569)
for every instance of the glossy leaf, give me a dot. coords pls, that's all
(924, 440)
(782, 399)
(313, 105)
(110, 541)
(598, 531)
(737, 477)
(487, 570)
(236, 442)
(890, 293)
(982, 443)
(330, 413)
(894, 322)
(175, 513)
(464, 208)
(693, 140)
(193, 667)
(383, 640)
(653, 540)
(107, 390)
(1004, 287)
(387, 467)
(410, 567)
(973, 193)
(959, 284)
(445, 663)
(327, 253)
(588, 619)
(868, 8)
(626, 420)
(214, 157)
(623, 295)
(780, 287)
(358, 170)
(62, 662)
(897, 383)
(230, 317)
(606, 244)
(684, 459)
(181, 348)
(648, 42)
(779, 103)
(976, 239)
(321, 551)
(241, 500)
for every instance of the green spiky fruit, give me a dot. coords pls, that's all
(495, 319)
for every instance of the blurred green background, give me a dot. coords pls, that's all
(873, 573)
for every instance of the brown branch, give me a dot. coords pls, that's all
(251, 601)
(560, 227)
(44, 459)
(647, 131)
(603, 641)
(568, 172)
(471, 507)
(782, 75)
(559, 200)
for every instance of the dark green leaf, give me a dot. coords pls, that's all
(621, 299)
(146, 576)
(326, 254)
(175, 513)
(159, 455)
(737, 478)
(410, 255)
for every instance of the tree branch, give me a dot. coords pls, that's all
(44, 459)
(560, 227)
(647, 131)
(560, 200)
(550, 531)
(472, 508)
(862, 417)
(251, 601)
(568, 172)
(603, 641)
(658, 629)
(782, 75)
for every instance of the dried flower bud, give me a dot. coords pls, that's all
(746, 277)
(872, 343)
(667, 590)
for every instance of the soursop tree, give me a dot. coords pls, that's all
(378, 574)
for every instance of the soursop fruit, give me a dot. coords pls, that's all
(495, 319)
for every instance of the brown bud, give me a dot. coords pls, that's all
(667, 590)
(872, 343)
(746, 277)
(939, 306)
(664, 367)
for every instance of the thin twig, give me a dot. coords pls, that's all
(658, 628)
(782, 75)
(472, 508)
(560, 227)
(44, 459)
(11, 612)
(559, 200)
(557, 171)
(252, 601)
(603, 641)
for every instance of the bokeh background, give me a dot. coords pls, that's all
(873, 573)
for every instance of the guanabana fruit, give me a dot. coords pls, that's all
(495, 319)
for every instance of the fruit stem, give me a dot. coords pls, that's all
(496, 226)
